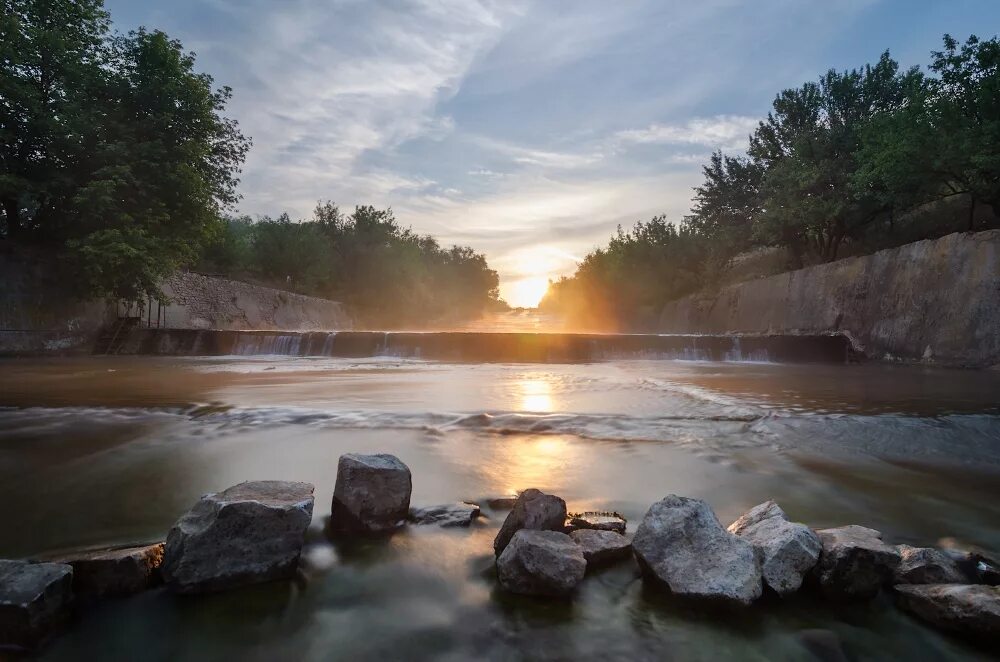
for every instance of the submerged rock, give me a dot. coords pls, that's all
(541, 563)
(979, 566)
(925, 565)
(601, 547)
(854, 563)
(597, 521)
(788, 550)
(34, 599)
(114, 572)
(823, 645)
(969, 609)
(533, 510)
(250, 533)
(372, 493)
(681, 545)
(447, 515)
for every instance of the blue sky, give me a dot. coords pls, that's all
(528, 130)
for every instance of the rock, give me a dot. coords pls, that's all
(601, 547)
(824, 645)
(533, 510)
(598, 521)
(788, 550)
(541, 563)
(248, 534)
(502, 502)
(969, 609)
(756, 515)
(451, 514)
(114, 572)
(34, 599)
(979, 566)
(854, 562)
(681, 544)
(372, 493)
(925, 565)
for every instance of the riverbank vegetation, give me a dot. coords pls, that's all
(118, 161)
(857, 161)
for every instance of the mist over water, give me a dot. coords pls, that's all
(109, 450)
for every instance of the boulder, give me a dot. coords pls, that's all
(968, 609)
(372, 494)
(114, 572)
(756, 515)
(926, 565)
(248, 534)
(34, 599)
(447, 515)
(541, 563)
(601, 547)
(681, 544)
(597, 521)
(502, 502)
(854, 563)
(788, 550)
(533, 510)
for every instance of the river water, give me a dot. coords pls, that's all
(108, 450)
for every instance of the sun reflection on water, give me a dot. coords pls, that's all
(534, 395)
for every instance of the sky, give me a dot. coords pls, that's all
(528, 130)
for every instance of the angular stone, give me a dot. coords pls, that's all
(372, 493)
(447, 515)
(979, 566)
(34, 599)
(598, 521)
(756, 515)
(854, 563)
(533, 510)
(541, 563)
(114, 572)
(681, 544)
(601, 547)
(250, 533)
(789, 551)
(502, 502)
(926, 565)
(968, 609)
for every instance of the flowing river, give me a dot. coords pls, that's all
(107, 450)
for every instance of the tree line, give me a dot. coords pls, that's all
(856, 161)
(117, 162)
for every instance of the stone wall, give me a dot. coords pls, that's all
(934, 301)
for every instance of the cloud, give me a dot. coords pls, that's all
(727, 132)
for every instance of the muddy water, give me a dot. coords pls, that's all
(111, 450)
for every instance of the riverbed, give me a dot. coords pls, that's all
(110, 450)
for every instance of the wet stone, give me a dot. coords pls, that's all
(968, 609)
(597, 521)
(926, 565)
(34, 599)
(372, 494)
(788, 550)
(602, 547)
(116, 571)
(447, 515)
(533, 510)
(546, 563)
(854, 563)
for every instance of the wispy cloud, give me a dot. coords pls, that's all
(727, 132)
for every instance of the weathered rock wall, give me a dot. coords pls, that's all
(935, 301)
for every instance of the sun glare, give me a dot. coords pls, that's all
(527, 292)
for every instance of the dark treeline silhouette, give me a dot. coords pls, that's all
(118, 164)
(857, 161)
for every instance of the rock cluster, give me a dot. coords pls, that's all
(533, 510)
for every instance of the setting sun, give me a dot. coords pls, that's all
(527, 292)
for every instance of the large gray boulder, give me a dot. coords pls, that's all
(926, 565)
(601, 547)
(114, 572)
(854, 563)
(372, 494)
(541, 563)
(248, 534)
(34, 599)
(681, 544)
(533, 510)
(788, 550)
(969, 609)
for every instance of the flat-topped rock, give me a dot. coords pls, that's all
(681, 545)
(116, 571)
(446, 515)
(598, 521)
(533, 510)
(34, 599)
(926, 565)
(372, 494)
(854, 563)
(788, 550)
(545, 563)
(968, 609)
(601, 547)
(250, 533)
